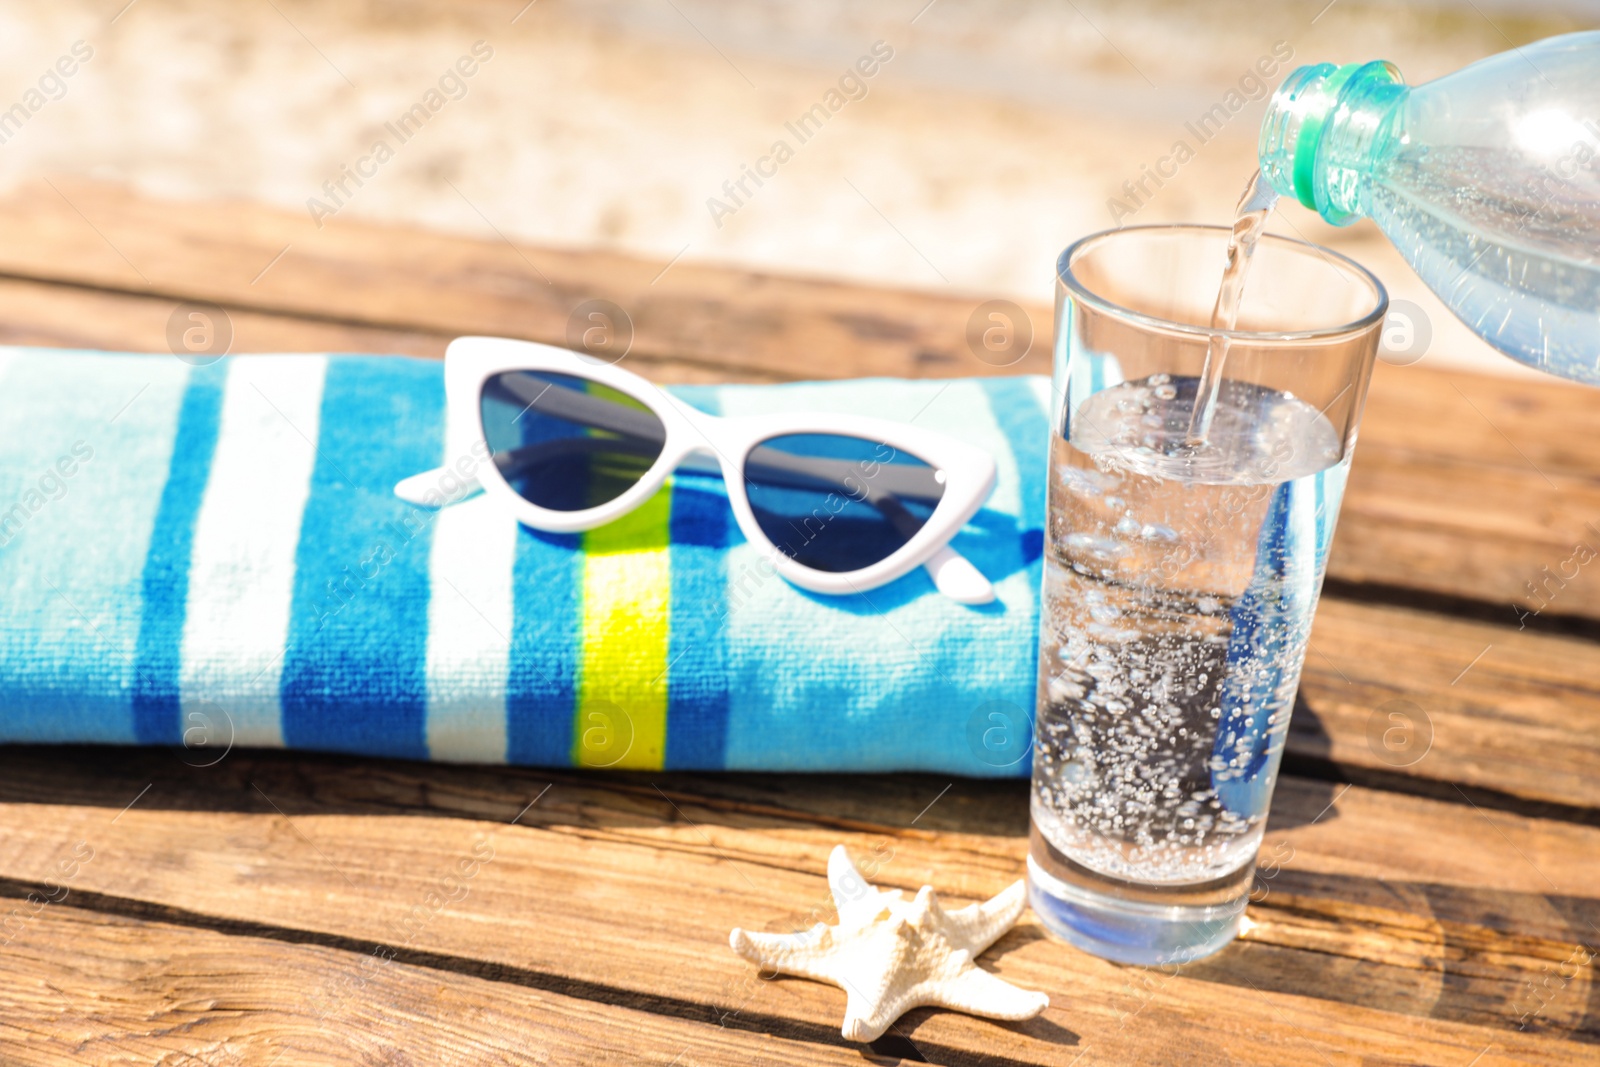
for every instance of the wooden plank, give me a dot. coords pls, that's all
(1515, 712)
(606, 870)
(63, 316)
(1507, 511)
(80, 987)
(739, 322)
(1527, 425)
(1477, 486)
(1464, 485)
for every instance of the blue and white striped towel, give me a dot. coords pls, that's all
(214, 554)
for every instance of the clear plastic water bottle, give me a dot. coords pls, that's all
(1487, 181)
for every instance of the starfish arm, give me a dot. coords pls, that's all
(866, 1019)
(977, 926)
(806, 954)
(856, 899)
(980, 993)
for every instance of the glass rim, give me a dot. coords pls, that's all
(1066, 277)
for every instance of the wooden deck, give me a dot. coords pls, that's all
(287, 909)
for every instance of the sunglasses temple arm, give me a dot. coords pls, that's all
(952, 573)
(426, 490)
(957, 578)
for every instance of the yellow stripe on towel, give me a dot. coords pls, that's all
(622, 677)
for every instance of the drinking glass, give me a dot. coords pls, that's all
(1180, 575)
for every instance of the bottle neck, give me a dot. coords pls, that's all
(1326, 131)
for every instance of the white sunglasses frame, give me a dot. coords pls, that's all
(967, 472)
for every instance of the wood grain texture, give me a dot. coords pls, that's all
(64, 316)
(737, 321)
(52, 315)
(1476, 486)
(80, 987)
(1525, 541)
(607, 871)
(1482, 705)
(1538, 424)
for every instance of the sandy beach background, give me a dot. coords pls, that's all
(992, 134)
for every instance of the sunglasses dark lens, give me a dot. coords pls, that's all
(836, 503)
(566, 443)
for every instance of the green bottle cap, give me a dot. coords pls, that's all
(1350, 86)
(1305, 144)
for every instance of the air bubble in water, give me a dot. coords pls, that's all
(1103, 548)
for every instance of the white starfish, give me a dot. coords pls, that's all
(890, 954)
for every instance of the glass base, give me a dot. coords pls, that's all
(1132, 931)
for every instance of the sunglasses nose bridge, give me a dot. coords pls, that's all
(700, 434)
(695, 442)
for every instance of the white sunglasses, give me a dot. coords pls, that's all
(838, 504)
